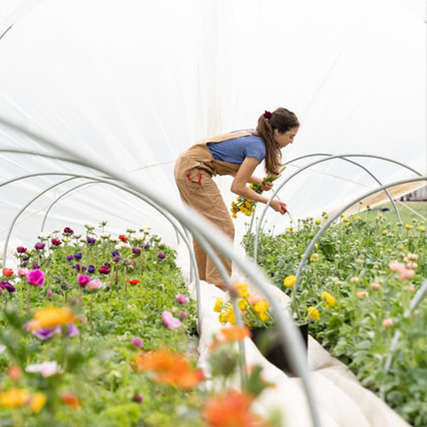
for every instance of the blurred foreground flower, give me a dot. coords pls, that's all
(51, 317)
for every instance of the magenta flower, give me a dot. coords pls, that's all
(56, 242)
(169, 321)
(49, 293)
(137, 342)
(83, 280)
(35, 277)
(161, 255)
(45, 334)
(21, 250)
(68, 231)
(39, 246)
(181, 299)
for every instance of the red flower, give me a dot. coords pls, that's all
(123, 238)
(104, 269)
(7, 272)
(56, 242)
(133, 281)
(71, 400)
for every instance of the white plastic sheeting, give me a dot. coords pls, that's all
(133, 83)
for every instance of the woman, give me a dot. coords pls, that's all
(237, 154)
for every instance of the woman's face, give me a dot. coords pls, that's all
(283, 139)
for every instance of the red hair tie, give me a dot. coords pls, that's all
(267, 114)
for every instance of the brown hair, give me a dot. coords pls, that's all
(282, 120)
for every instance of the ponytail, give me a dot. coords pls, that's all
(282, 120)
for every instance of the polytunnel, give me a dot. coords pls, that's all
(99, 98)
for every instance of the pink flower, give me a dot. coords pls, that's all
(183, 314)
(375, 286)
(181, 299)
(406, 273)
(387, 323)
(22, 272)
(169, 321)
(395, 266)
(137, 342)
(95, 285)
(83, 280)
(362, 294)
(254, 298)
(35, 277)
(49, 293)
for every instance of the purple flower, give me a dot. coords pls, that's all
(116, 258)
(8, 286)
(115, 253)
(36, 266)
(83, 280)
(181, 299)
(77, 267)
(35, 277)
(169, 321)
(147, 246)
(78, 255)
(46, 333)
(64, 285)
(138, 398)
(72, 331)
(70, 257)
(161, 255)
(91, 269)
(90, 240)
(39, 246)
(137, 342)
(68, 230)
(136, 251)
(107, 288)
(21, 250)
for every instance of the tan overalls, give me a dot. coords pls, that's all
(194, 170)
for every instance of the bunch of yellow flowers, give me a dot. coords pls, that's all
(254, 309)
(247, 206)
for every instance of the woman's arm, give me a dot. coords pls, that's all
(243, 176)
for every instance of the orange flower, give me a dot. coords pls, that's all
(233, 333)
(133, 281)
(71, 400)
(169, 368)
(51, 317)
(7, 272)
(231, 410)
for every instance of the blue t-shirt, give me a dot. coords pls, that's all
(237, 149)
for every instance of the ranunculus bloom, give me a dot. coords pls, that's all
(330, 300)
(56, 242)
(290, 281)
(181, 299)
(94, 285)
(21, 250)
(68, 231)
(69, 257)
(7, 286)
(406, 273)
(7, 272)
(104, 269)
(169, 321)
(133, 282)
(22, 272)
(395, 265)
(136, 251)
(123, 238)
(36, 277)
(51, 317)
(161, 255)
(90, 240)
(78, 255)
(39, 246)
(137, 342)
(91, 269)
(362, 294)
(83, 280)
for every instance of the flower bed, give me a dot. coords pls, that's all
(100, 331)
(356, 288)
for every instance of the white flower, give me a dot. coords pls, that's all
(44, 236)
(122, 245)
(56, 230)
(105, 235)
(66, 239)
(47, 369)
(114, 239)
(77, 236)
(131, 230)
(89, 227)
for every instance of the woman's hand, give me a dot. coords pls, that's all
(267, 186)
(278, 206)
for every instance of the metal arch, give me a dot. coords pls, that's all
(341, 156)
(289, 336)
(332, 219)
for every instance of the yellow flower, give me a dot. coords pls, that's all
(218, 305)
(318, 221)
(408, 226)
(346, 220)
(38, 400)
(261, 306)
(229, 316)
(421, 228)
(51, 317)
(384, 232)
(290, 281)
(264, 316)
(14, 398)
(242, 289)
(242, 304)
(222, 318)
(313, 313)
(330, 300)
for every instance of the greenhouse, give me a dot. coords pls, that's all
(213, 213)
